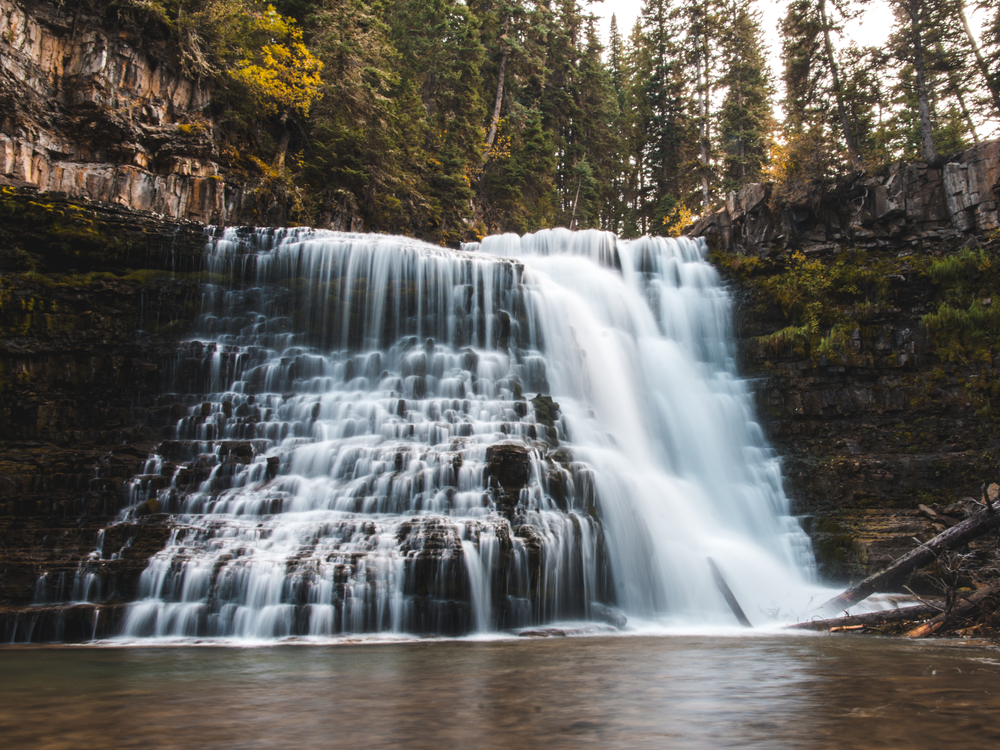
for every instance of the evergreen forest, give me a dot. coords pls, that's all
(450, 120)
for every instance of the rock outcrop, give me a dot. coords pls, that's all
(873, 412)
(908, 207)
(92, 113)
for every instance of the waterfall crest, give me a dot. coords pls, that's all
(375, 434)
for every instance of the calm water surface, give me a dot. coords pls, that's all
(615, 692)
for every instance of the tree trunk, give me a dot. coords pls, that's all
(929, 153)
(869, 619)
(702, 115)
(965, 110)
(572, 218)
(971, 528)
(494, 123)
(286, 136)
(852, 146)
(727, 594)
(967, 608)
(991, 82)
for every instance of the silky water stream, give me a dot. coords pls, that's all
(375, 435)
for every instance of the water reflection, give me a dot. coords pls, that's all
(677, 692)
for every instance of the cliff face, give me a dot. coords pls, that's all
(874, 413)
(88, 112)
(911, 206)
(91, 309)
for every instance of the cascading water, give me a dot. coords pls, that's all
(382, 435)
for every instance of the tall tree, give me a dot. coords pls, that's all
(827, 24)
(990, 77)
(746, 118)
(668, 125)
(812, 73)
(913, 19)
(442, 57)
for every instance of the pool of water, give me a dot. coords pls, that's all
(805, 691)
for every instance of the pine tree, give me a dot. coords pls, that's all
(932, 94)
(597, 134)
(515, 187)
(911, 42)
(668, 125)
(441, 58)
(616, 202)
(746, 119)
(815, 103)
(353, 165)
(986, 60)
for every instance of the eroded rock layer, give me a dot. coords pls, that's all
(90, 310)
(94, 114)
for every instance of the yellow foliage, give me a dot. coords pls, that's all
(501, 144)
(796, 164)
(677, 219)
(283, 74)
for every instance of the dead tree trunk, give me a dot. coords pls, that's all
(969, 529)
(727, 594)
(853, 150)
(966, 608)
(495, 121)
(870, 619)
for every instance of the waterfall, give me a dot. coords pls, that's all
(378, 435)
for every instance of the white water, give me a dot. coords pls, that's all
(378, 372)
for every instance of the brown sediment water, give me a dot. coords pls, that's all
(617, 692)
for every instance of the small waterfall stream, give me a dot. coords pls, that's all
(376, 434)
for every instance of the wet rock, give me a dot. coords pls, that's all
(509, 464)
(501, 332)
(611, 615)
(273, 465)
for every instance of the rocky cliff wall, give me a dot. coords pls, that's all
(93, 300)
(91, 112)
(909, 206)
(877, 399)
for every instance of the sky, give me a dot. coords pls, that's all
(872, 29)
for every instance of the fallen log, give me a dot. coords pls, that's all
(869, 619)
(727, 594)
(969, 529)
(965, 608)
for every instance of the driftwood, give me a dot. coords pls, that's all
(965, 608)
(727, 594)
(869, 619)
(966, 531)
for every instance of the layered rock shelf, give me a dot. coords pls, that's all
(90, 113)
(909, 206)
(93, 299)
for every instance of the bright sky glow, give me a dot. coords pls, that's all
(871, 29)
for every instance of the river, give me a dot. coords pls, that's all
(681, 691)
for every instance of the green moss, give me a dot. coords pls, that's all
(822, 300)
(194, 129)
(796, 337)
(961, 266)
(834, 543)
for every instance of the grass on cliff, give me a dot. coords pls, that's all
(823, 301)
(966, 324)
(832, 307)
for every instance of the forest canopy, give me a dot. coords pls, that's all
(449, 120)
